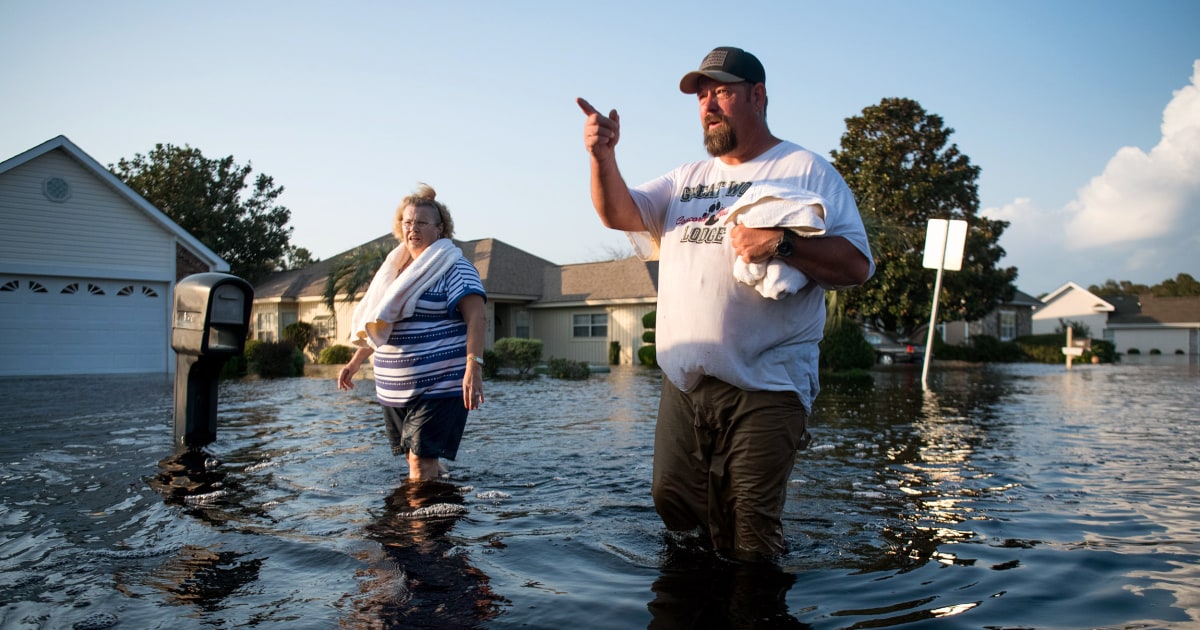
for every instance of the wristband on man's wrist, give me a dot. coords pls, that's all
(476, 358)
(785, 247)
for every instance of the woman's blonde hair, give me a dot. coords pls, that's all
(425, 196)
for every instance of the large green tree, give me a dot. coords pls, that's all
(217, 202)
(899, 161)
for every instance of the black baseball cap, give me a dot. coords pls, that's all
(727, 65)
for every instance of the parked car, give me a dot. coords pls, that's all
(889, 350)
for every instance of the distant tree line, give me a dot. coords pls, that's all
(1183, 285)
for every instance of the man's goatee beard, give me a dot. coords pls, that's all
(720, 140)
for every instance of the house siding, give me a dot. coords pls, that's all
(554, 328)
(1165, 340)
(93, 270)
(625, 327)
(95, 232)
(1046, 320)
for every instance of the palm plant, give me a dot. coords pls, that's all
(352, 272)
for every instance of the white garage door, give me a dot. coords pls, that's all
(52, 325)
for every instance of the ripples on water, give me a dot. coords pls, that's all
(1012, 496)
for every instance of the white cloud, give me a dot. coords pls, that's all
(1141, 195)
(1139, 220)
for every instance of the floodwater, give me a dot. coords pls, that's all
(1015, 496)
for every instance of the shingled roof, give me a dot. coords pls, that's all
(613, 280)
(1148, 309)
(505, 270)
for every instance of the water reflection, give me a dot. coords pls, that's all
(1012, 496)
(698, 590)
(420, 577)
(201, 577)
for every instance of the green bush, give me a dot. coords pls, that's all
(1155, 351)
(491, 364)
(522, 354)
(301, 334)
(648, 319)
(336, 354)
(648, 336)
(989, 349)
(1133, 351)
(273, 359)
(648, 356)
(614, 352)
(251, 347)
(568, 369)
(1106, 351)
(235, 367)
(1045, 348)
(844, 347)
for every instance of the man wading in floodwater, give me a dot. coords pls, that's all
(739, 358)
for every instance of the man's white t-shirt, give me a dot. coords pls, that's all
(708, 323)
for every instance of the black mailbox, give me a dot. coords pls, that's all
(212, 319)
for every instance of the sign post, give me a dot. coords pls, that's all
(944, 244)
(1072, 349)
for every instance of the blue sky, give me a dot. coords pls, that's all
(1083, 116)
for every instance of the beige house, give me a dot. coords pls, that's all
(575, 310)
(87, 268)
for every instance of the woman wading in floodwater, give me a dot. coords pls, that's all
(422, 319)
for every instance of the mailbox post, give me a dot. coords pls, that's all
(212, 318)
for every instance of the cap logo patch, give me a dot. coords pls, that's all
(715, 59)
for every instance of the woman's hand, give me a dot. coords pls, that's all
(345, 377)
(473, 385)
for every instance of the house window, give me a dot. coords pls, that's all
(1008, 325)
(324, 327)
(589, 325)
(521, 330)
(264, 329)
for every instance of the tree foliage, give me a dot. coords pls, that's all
(212, 200)
(1182, 285)
(898, 160)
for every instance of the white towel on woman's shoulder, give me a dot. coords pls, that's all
(392, 295)
(800, 211)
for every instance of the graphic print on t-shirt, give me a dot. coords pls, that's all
(710, 229)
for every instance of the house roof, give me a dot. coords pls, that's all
(614, 280)
(1100, 305)
(505, 270)
(1150, 310)
(1020, 298)
(61, 143)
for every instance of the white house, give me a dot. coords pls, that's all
(87, 268)
(1072, 303)
(1156, 325)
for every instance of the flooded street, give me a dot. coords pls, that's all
(1007, 496)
